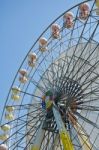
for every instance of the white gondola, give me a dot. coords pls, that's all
(55, 29)
(84, 11)
(32, 58)
(43, 44)
(23, 76)
(68, 20)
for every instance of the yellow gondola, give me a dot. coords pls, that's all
(97, 3)
(9, 117)
(4, 137)
(5, 127)
(16, 90)
(10, 108)
(15, 93)
(15, 97)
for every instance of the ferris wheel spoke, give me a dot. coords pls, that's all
(90, 83)
(24, 92)
(32, 141)
(32, 127)
(22, 116)
(88, 108)
(38, 86)
(21, 127)
(79, 127)
(24, 121)
(77, 45)
(89, 72)
(94, 41)
(13, 134)
(87, 80)
(83, 65)
(47, 81)
(55, 142)
(22, 138)
(91, 100)
(52, 71)
(94, 91)
(57, 74)
(45, 85)
(87, 120)
(72, 57)
(83, 137)
(51, 78)
(26, 106)
(48, 138)
(66, 56)
(44, 142)
(91, 36)
(48, 74)
(61, 77)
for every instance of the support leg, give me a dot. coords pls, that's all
(67, 143)
(38, 139)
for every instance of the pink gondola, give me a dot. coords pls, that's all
(84, 11)
(68, 20)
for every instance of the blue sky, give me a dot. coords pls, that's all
(21, 22)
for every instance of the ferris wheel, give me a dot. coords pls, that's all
(53, 102)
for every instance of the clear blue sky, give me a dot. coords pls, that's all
(21, 22)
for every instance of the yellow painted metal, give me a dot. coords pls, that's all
(83, 138)
(64, 136)
(48, 104)
(34, 148)
(67, 144)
